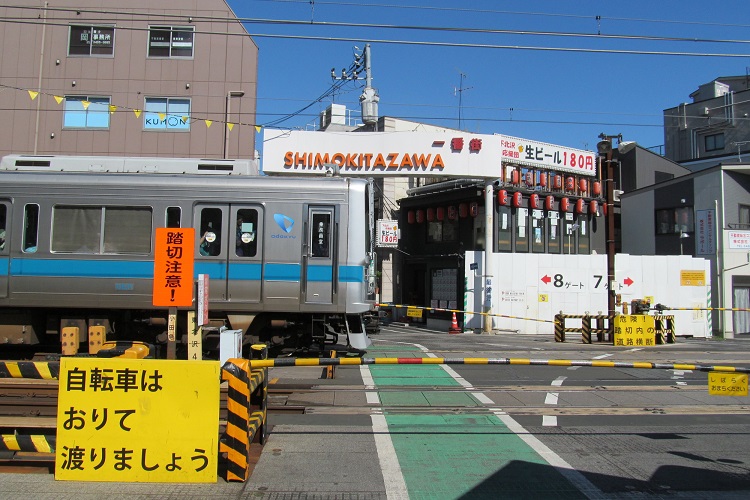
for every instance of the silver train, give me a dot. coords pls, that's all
(286, 257)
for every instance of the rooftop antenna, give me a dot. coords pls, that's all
(460, 90)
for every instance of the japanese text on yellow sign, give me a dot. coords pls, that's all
(692, 278)
(137, 420)
(413, 312)
(727, 384)
(636, 330)
(173, 267)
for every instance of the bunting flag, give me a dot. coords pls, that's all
(33, 94)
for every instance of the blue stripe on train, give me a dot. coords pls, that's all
(72, 268)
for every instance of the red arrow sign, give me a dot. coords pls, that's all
(627, 281)
(546, 279)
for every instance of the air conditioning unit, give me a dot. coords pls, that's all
(704, 111)
(616, 194)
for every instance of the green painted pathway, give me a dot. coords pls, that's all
(448, 454)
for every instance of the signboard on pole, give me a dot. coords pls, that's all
(173, 267)
(387, 233)
(705, 228)
(142, 420)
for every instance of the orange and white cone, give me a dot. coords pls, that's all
(454, 325)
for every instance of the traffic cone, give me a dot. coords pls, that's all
(454, 325)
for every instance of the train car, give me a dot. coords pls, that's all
(286, 258)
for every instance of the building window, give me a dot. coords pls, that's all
(537, 231)
(170, 41)
(91, 41)
(504, 229)
(675, 220)
(744, 216)
(714, 142)
(522, 230)
(90, 112)
(165, 113)
(584, 236)
(553, 226)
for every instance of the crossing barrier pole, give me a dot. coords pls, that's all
(586, 329)
(559, 328)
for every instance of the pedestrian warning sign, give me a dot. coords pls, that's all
(173, 267)
(129, 420)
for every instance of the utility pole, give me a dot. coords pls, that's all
(460, 92)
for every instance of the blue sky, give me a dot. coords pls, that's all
(557, 96)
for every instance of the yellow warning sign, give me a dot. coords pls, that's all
(727, 384)
(692, 278)
(413, 312)
(139, 420)
(635, 330)
(543, 297)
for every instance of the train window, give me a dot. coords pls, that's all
(210, 242)
(173, 216)
(3, 220)
(320, 235)
(127, 230)
(30, 228)
(247, 228)
(95, 230)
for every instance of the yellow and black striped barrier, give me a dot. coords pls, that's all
(47, 370)
(459, 311)
(585, 330)
(247, 389)
(39, 443)
(664, 326)
(270, 363)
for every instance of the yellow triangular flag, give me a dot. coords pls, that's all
(86, 104)
(162, 116)
(257, 128)
(230, 126)
(33, 94)
(59, 99)
(208, 123)
(112, 109)
(137, 113)
(185, 119)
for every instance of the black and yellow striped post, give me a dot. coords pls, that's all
(29, 443)
(246, 412)
(586, 329)
(47, 370)
(669, 330)
(559, 328)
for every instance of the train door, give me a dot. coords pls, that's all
(229, 251)
(318, 267)
(4, 247)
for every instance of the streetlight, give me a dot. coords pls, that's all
(230, 94)
(683, 235)
(605, 151)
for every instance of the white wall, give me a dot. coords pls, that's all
(541, 285)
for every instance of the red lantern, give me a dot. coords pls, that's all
(463, 210)
(543, 179)
(570, 184)
(534, 201)
(582, 185)
(515, 176)
(420, 216)
(410, 217)
(440, 213)
(452, 215)
(593, 207)
(549, 202)
(604, 209)
(502, 197)
(517, 199)
(558, 182)
(474, 209)
(430, 214)
(596, 188)
(564, 204)
(579, 206)
(530, 178)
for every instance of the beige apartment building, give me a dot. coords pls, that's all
(174, 78)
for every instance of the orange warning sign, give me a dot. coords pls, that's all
(173, 267)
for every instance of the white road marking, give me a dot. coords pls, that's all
(602, 356)
(559, 380)
(572, 368)
(364, 370)
(549, 421)
(372, 398)
(551, 398)
(395, 485)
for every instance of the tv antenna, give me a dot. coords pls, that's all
(460, 91)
